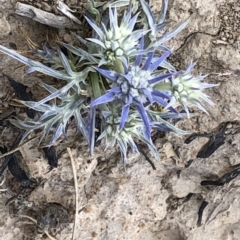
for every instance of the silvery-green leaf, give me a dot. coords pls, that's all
(49, 71)
(18, 124)
(47, 128)
(162, 15)
(119, 3)
(169, 35)
(161, 26)
(123, 149)
(173, 128)
(49, 88)
(83, 41)
(40, 108)
(65, 63)
(149, 144)
(26, 134)
(67, 116)
(58, 133)
(148, 12)
(168, 65)
(29, 123)
(16, 55)
(35, 66)
(96, 28)
(77, 103)
(123, 3)
(82, 126)
(173, 115)
(133, 145)
(96, 41)
(102, 135)
(55, 94)
(80, 52)
(47, 116)
(102, 62)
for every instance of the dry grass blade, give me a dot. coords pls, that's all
(76, 191)
(31, 44)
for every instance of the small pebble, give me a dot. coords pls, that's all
(67, 38)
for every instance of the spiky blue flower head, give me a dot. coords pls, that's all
(133, 129)
(135, 88)
(117, 41)
(187, 90)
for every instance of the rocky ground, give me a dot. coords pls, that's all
(136, 202)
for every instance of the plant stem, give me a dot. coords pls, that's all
(94, 80)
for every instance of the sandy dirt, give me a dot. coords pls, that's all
(135, 202)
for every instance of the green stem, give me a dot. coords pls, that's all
(72, 65)
(94, 80)
(166, 86)
(118, 66)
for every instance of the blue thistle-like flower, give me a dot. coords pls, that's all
(117, 42)
(136, 87)
(187, 90)
(124, 138)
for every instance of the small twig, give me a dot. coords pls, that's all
(32, 45)
(19, 147)
(76, 191)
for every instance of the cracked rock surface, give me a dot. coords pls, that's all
(139, 202)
